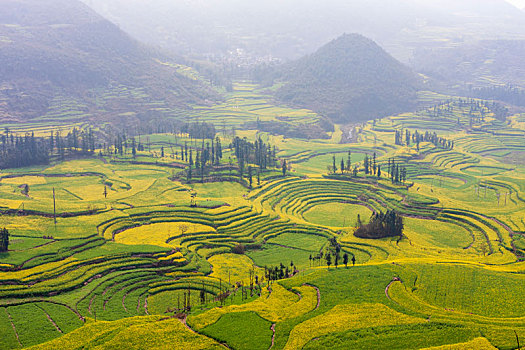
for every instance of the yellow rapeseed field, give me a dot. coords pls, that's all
(280, 305)
(158, 233)
(345, 317)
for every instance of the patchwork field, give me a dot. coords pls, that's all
(134, 253)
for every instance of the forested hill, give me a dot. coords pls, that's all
(51, 48)
(350, 79)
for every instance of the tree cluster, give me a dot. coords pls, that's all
(258, 153)
(381, 225)
(199, 130)
(279, 272)
(208, 155)
(22, 151)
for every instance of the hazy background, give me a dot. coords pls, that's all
(518, 3)
(289, 29)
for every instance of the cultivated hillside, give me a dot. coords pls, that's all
(51, 48)
(350, 79)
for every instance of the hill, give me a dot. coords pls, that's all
(350, 79)
(61, 49)
(480, 63)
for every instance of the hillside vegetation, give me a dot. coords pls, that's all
(61, 49)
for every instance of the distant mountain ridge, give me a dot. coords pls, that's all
(351, 79)
(293, 28)
(57, 47)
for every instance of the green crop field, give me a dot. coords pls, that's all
(134, 252)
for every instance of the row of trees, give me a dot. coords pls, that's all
(416, 138)
(381, 225)
(4, 240)
(344, 168)
(396, 172)
(477, 110)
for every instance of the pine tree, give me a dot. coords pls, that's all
(250, 179)
(342, 166)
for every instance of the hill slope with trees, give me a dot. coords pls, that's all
(62, 47)
(350, 79)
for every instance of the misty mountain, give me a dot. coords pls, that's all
(351, 79)
(290, 29)
(477, 63)
(51, 48)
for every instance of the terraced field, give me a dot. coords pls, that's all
(138, 257)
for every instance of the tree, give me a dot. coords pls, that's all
(333, 165)
(336, 263)
(349, 162)
(366, 163)
(162, 152)
(342, 166)
(250, 179)
(183, 228)
(190, 164)
(4, 240)
(379, 171)
(328, 258)
(345, 259)
(25, 190)
(374, 165)
(284, 167)
(353, 260)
